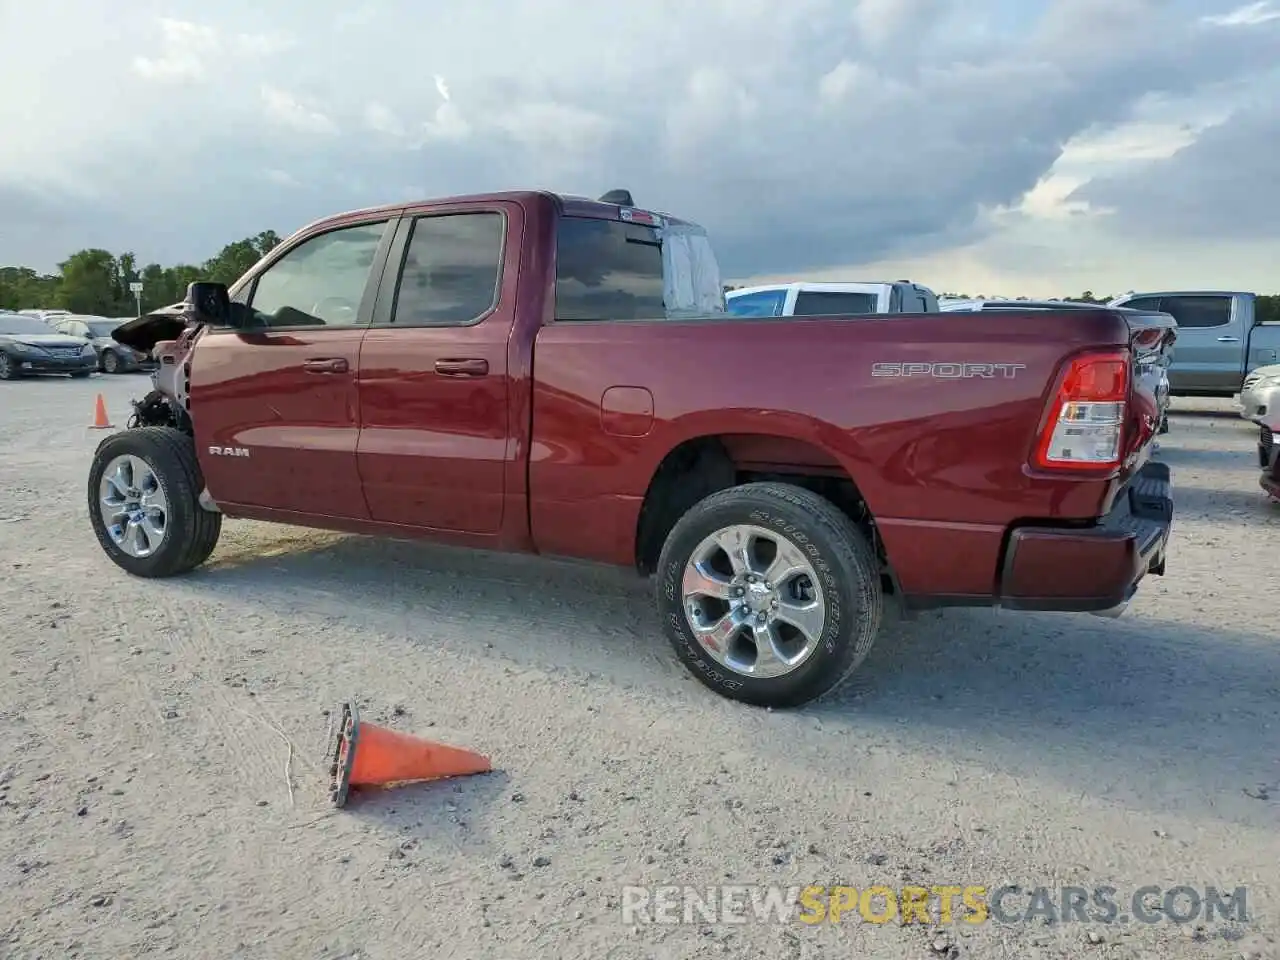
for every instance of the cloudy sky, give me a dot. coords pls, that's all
(1037, 147)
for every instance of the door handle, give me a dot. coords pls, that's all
(1228, 339)
(330, 365)
(462, 368)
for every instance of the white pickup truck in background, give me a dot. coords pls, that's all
(805, 299)
(1220, 338)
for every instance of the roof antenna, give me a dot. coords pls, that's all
(620, 197)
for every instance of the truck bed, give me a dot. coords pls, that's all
(949, 437)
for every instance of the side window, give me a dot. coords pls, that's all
(1199, 311)
(452, 269)
(1143, 303)
(814, 304)
(320, 282)
(766, 303)
(608, 270)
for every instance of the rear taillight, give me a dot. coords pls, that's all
(1085, 426)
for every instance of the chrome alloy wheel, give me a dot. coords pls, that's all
(754, 601)
(134, 510)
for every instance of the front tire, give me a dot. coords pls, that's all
(9, 368)
(110, 362)
(143, 491)
(769, 594)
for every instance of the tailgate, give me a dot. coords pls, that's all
(1151, 336)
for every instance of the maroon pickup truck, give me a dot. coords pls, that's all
(557, 375)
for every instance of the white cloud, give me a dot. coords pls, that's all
(1249, 15)
(382, 119)
(287, 110)
(281, 178)
(194, 51)
(185, 46)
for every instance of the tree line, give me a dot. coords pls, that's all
(96, 282)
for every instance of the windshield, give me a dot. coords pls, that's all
(619, 270)
(101, 328)
(18, 325)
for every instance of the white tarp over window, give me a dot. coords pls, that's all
(690, 273)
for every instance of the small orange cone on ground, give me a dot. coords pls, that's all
(366, 755)
(100, 421)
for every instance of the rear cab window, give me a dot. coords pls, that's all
(814, 303)
(627, 270)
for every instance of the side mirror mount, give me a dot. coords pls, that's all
(208, 303)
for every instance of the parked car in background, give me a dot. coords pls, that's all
(805, 299)
(113, 357)
(47, 317)
(28, 346)
(1259, 396)
(553, 375)
(1220, 339)
(979, 306)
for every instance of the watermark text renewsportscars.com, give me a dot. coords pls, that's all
(935, 904)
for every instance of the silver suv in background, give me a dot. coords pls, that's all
(1259, 396)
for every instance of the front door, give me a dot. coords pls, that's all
(433, 449)
(275, 404)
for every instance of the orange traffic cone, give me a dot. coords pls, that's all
(366, 755)
(100, 421)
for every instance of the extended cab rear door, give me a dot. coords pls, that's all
(434, 377)
(275, 405)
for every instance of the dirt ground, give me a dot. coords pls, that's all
(162, 770)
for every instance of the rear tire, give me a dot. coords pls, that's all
(190, 532)
(824, 541)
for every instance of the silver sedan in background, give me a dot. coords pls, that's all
(1259, 395)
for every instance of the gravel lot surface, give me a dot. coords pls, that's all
(148, 728)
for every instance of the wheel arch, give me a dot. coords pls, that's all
(700, 465)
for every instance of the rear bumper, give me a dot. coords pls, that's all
(1095, 569)
(1269, 458)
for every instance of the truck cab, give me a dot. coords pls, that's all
(1220, 338)
(808, 299)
